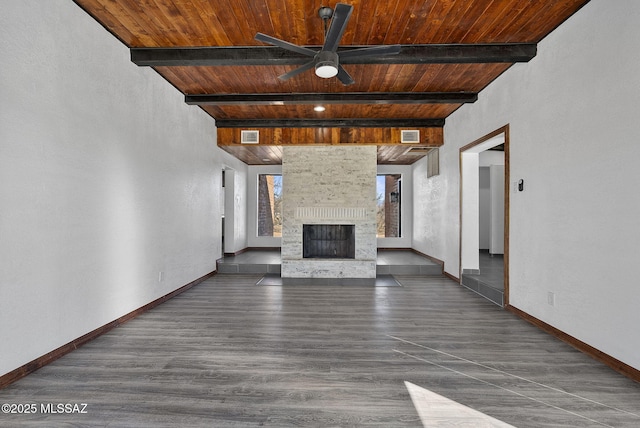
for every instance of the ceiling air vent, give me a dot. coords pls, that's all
(249, 137)
(418, 150)
(410, 136)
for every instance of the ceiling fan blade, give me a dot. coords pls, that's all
(297, 71)
(344, 77)
(285, 45)
(370, 51)
(341, 16)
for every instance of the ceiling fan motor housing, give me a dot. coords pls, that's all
(325, 12)
(326, 64)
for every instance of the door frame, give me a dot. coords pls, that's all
(500, 131)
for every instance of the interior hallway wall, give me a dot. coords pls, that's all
(574, 136)
(109, 182)
(487, 159)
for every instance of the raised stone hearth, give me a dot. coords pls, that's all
(333, 186)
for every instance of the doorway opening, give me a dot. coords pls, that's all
(389, 205)
(484, 216)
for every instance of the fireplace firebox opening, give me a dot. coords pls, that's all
(328, 241)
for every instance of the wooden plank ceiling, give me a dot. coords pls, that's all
(449, 51)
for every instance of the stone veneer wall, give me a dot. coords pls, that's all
(329, 185)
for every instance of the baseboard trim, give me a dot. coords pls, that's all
(451, 277)
(594, 353)
(433, 259)
(244, 250)
(30, 367)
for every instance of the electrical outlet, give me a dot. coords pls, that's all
(160, 276)
(551, 298)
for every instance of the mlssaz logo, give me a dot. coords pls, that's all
(63, 408)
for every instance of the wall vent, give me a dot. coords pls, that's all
(249, 137)
(410, 136)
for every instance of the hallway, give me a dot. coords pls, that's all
(489, 282)
(227, 353)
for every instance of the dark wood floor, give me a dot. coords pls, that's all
(228, 353)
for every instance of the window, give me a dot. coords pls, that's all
(389, 191)
(269, 205)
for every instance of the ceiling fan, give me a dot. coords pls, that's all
(327, 60)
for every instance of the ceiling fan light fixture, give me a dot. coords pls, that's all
(326, 64)
(326, 70)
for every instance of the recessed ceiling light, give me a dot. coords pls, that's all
(319, 108)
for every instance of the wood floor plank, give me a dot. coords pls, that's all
(228, 353)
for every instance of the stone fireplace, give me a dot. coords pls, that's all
(329, 193)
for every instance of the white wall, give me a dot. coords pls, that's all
(436, 218)
(487, 199)
(485, 208)
(236, 205)
(574, 136)
(497, 209)
(107, 178)
(492, 157)
(470, 258)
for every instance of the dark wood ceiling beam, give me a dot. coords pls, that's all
(270, 55)
(333, 98)
(389, 138)
(330, 123)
